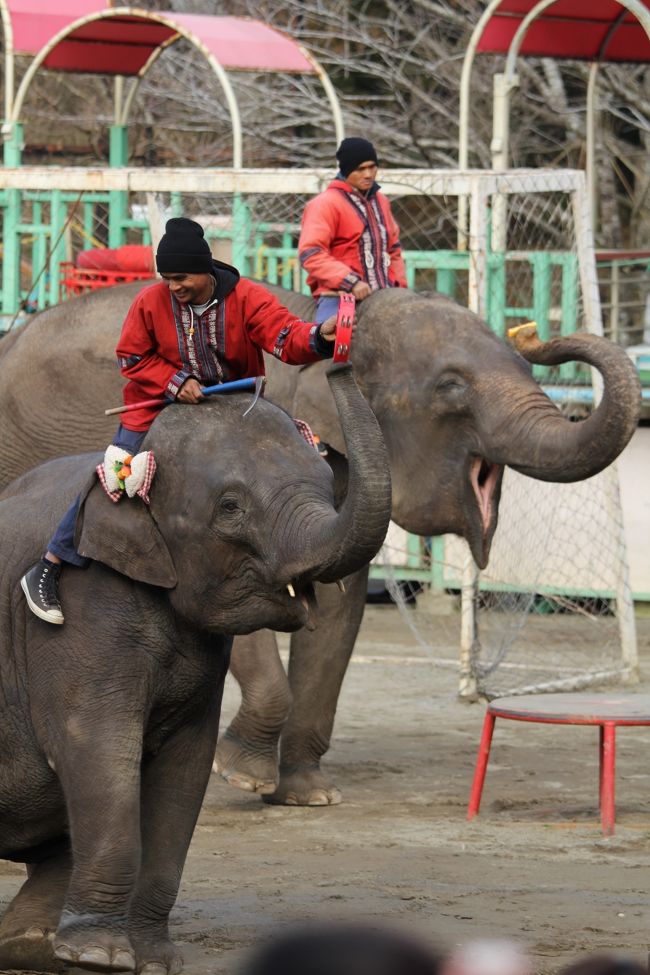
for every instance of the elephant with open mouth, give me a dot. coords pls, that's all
(110, 721)
(455, 403)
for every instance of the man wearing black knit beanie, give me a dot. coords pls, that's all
(349, 240)
(200, 326)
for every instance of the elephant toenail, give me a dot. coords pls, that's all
(94, 956)
(64, 952)
(34, 934)
(124, 960)
(318, 799)
(155, 968)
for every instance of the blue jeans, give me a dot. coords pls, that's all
(326, 306)
(62, 541)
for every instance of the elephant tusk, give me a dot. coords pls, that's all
(291, 590)
(341, 585)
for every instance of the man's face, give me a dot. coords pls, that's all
(190, 289)
(363, 176)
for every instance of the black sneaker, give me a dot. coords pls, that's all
(41, 587)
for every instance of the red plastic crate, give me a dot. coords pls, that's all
(79, 280)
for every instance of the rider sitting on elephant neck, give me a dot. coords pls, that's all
(349, 239)
(201, 325)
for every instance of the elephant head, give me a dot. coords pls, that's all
(456, 404)
(242, 517)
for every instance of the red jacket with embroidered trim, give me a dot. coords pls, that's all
(156, 352)
(347, 237)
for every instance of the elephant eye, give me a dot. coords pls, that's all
(449, 384)
(229, 504)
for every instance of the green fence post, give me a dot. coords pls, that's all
(58, 216)
(496, 293)
(410, 271)
(569, 323)
(39, 254)
(287, 262)
(118, 155)
(240, 234)
(541, 264)
(10, 233)
(88, 225)
(446, 281)
(437, 555)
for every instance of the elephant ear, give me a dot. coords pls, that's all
(123, 536)
(314, 403)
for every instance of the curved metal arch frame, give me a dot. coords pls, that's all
(8, 31)
(640, 11)
(503, 85)
(337, 115)
(13, 106)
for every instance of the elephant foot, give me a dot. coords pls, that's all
(157, 956)
(31, 950)
(93, 946)
(247, 766)
(304, 785)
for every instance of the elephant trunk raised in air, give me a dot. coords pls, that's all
(544, 444)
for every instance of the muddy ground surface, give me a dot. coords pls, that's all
(533, 866)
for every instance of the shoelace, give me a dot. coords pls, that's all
(47, 585)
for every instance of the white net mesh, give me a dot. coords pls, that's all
(552, 610)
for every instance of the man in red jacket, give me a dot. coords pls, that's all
(349, 240)
(201, 325)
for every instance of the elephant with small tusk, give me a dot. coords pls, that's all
(110, 721)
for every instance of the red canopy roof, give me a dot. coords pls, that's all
(122, 43)
(590, 30)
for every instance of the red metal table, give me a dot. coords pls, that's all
(605, 710)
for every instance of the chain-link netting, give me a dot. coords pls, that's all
(552, 610)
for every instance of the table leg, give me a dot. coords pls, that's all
(607, 774)
(481, 766)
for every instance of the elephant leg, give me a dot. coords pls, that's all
(101, 784)
(316, 671)
(246, 755)
(173, 787)
(28, 926)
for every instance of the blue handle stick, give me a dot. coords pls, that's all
(227, 387)
(253, 382)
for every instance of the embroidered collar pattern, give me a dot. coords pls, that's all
(373, 242)
(201, 341)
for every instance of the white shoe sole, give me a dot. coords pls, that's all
(56, 618)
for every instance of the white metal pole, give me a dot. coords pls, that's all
(330, 91)
(463, 114)
(9, 69)
(591, 144)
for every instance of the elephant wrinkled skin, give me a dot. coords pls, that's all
(455, 404)
(110, 721)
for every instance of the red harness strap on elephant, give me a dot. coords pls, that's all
(344, 323)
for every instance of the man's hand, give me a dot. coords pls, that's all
(328, 329)
(361, 290)
(190, 392)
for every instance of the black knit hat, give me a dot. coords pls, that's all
(353, 152)
(183, 248)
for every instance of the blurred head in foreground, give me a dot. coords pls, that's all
(488, 957)
(339, 949)
(604, 964)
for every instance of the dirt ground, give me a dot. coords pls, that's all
(533, 866)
